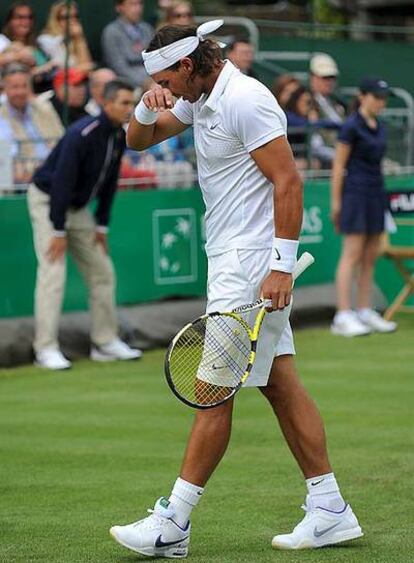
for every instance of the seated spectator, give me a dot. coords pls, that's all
(123, 41)
(324, 72)
(178, 12)
(283, 87)
(17, 42)
(97, 82)
(52, 40)
(302, 116)
(77, 86)
(30, 125)
(241, 53)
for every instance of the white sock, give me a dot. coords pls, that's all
(184, 497)
(324, 492)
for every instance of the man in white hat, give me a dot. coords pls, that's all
(253, 197)
(323, 78)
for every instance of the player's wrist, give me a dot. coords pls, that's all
(144, 115)
(284, 255)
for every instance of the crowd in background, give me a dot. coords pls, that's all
(40, 97)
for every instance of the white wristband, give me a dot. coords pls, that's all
(284, 254)
(144, 115)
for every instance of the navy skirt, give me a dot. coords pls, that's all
(362, 214)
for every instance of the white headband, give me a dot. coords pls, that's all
(155, 61)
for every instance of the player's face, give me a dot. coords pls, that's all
(180, 82)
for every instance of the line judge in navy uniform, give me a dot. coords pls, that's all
(83, 166)
(358, 205)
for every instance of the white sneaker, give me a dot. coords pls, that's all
(51, 358)
(156, 535)
(115, 350)
(375, 322)
(347, 323)
(320, 527)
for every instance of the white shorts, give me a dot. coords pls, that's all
(234, 279)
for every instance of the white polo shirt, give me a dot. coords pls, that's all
(239, 116)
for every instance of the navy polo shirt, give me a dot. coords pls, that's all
(364, 175)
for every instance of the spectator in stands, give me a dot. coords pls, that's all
(283, 87)
(241, 53)
(303, 120)
(358, 208)
(52, 40)
(123, 41)
(77, 87)
(30, 125)
(83, 165)
(17, 42)
(323, 76)
(178, 12)
(98, 79)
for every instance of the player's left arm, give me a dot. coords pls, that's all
(275, 160)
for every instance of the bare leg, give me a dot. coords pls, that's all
(352, 252)
(370, 254)
(298, 417)
(207, 444)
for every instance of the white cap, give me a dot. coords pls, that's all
(323, 65)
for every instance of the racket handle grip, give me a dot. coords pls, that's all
(304, 262)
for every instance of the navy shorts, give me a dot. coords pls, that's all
(362, 214)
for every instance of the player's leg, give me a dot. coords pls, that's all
(166, 532)
(345, 322)
(97, 270)
(298, 417)
(328, 518)
(50, 285)
(365, 283)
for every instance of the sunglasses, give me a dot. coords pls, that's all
(23, 17)
(66, 17)
(183, 15)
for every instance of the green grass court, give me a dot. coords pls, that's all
(85, 449)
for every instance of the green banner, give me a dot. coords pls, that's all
(157, 244)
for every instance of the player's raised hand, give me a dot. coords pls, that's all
(158, 98)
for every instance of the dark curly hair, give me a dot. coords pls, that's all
(205, 58)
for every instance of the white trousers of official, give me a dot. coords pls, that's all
(94, 264)
(234, 279)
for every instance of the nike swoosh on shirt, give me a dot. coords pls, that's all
(160, 543)
(318, 533)
(217, 367)
(213, 126)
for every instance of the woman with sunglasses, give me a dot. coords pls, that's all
(18, 41)
(52, 40)
(178, 12)
(358, 208)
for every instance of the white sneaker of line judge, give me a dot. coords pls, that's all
(320, 527)
(51, 358)
(375, 322)
(114, 350)
(347, 323)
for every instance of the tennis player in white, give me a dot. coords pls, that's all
(253, 197)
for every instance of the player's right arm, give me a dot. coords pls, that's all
(140, 136)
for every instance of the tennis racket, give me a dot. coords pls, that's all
(210, 359)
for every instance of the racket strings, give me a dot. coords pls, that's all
(209, 359)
